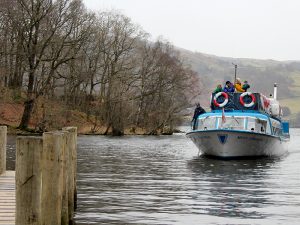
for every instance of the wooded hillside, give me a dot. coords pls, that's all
(99, 63)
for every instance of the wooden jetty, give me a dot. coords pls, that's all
(43, 188)
(7, 198)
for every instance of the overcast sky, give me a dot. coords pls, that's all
(262, 29)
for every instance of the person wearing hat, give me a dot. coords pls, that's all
(238, 85)
(198, 111)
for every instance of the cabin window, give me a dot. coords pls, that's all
(276, 127)
(232, 123)
(258, 125)
(251, 124)
(207, 123)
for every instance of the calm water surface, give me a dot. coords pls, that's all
(160, 180)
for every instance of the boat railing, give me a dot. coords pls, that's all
(246, 101)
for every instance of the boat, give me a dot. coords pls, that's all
(241, 125)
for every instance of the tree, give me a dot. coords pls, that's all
(101, 64)
(51, 34)
(165, 87)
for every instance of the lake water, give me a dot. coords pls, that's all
(161, 180)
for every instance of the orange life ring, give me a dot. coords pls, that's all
(225, 95)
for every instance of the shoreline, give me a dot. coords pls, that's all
(12, 131)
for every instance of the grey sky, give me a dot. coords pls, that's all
(262, 29)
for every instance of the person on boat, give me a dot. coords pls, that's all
(246, 86)
(238, 85)
(198, 111)
(218, 89)
(228, 87)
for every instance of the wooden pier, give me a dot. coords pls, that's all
(7, 198)
(43, 188)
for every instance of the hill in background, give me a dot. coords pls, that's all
(261, 75)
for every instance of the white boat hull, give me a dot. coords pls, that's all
(229, 143)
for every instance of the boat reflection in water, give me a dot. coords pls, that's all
(233, 188)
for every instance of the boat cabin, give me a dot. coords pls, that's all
(251, 122)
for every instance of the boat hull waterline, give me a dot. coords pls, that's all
(229, 143)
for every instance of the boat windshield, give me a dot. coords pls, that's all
(206, 123)
(232, 123)
(258, 125)
(276, 127)
(247, 123)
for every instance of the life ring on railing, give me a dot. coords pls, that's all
(253, 99)
(225, 95)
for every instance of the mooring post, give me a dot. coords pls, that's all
(3, 134)
(72, 148)
(65, 211)
(68, 200)
(28, 180)
(52, 178)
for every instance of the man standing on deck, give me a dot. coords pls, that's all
(198, 111)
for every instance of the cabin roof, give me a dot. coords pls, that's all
(235, 113)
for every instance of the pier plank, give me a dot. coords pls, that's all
(7, 198)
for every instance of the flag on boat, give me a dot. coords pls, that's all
(223, 116)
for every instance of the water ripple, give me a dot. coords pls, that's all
(158, 180)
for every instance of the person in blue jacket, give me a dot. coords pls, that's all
(228, 87)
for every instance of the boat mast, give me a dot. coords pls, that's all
(235, 69)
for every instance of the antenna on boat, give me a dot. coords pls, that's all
(275, 91)
(235, 69)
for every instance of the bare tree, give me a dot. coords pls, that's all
(51, 34)
(164, 87)
(101, 64)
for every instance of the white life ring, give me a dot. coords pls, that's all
(225, 95)
(247, 104)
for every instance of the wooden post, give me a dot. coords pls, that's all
(65, 188)
(69, 176)
(52, 178)
(28, 180)
(72, 148)
(3, 134)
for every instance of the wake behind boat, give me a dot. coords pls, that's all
(241, 125)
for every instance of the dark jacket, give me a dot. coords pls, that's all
(246, 86)
(198, 111)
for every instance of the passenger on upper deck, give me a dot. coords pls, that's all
(238, 85)
(246, 86)
(228, 87)
(218, 89)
